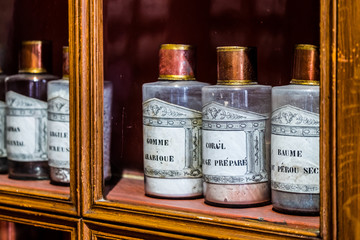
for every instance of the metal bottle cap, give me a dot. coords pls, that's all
(35, 57)
(236, 65)
(306, 65)
(65, 65)
(177, 62)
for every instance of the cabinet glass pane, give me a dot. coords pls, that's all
(30, 130)
(133, 33)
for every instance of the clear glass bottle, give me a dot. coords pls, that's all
(172, 126)
(26, 116)
(236, 134)
(3, 158)
(58, 126)
(295, 137)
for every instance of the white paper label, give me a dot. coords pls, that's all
(233, 145)
(172, 140)
(26, 126)
(2, 129)
(58, 133)
(295, 150)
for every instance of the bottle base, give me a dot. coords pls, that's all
(237, 195)
(306, 204)
(28, 170)
(60, 176)
(183, 188)
(3, 165)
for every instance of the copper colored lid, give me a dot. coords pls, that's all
(177, 62)
(306, 65)
(35, 57)
(65, 66)
(236, 65)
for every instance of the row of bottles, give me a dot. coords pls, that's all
(215, 140)
(34, 118)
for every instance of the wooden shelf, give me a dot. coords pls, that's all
(130, 189)
(42, 188)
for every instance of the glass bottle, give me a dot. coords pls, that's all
(58, 126)
(295, 137)
(3, 158)
(236, 137)
(172, 126)
(108, 93)
(26, 116)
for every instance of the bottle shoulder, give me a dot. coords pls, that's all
(237, 87)
(31, 77)
(174, 84)
(296, 88)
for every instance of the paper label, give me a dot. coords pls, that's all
(295, 150)
(172, 140)
(2, 129)
(58, 133)
(233, 145)
(26, 127)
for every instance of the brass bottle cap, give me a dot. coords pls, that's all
(306, 65)
(65, 65)
(236, 65)
(177, 62)
(35, 57)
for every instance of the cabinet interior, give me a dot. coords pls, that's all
(133, 33)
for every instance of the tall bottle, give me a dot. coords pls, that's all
(26, 116)
(172, 126)
(295, 137)
(236, 134)
(58, 126)
(3, 158)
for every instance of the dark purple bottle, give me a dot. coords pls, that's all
(26, 115)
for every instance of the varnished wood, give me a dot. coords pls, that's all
(42, 220)
(348, 119)
(328, 119)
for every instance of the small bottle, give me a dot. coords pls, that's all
(3, 158)
(172, 126)
(236, 136)
(58, 126)
(26, 117)
(295, 137)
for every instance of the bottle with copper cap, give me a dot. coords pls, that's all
(295, 137)
(3, 158)
(26, 117)
(236, 136)
(58, 126)
(172, 126)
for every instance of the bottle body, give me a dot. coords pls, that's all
(26, 130)
(295, 149)
(3, 156)
(236, 144)
(58, 131)
(172, 138)
(108, 93)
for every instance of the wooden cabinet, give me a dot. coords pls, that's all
(118, 40)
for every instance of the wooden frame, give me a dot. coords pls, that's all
(43, 220)
(338, 98)
(37, 195)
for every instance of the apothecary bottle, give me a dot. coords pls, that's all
(26, 116)
(58, 126)
(172, 126)
(295, 137)
(3, 158)
(236, 136)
